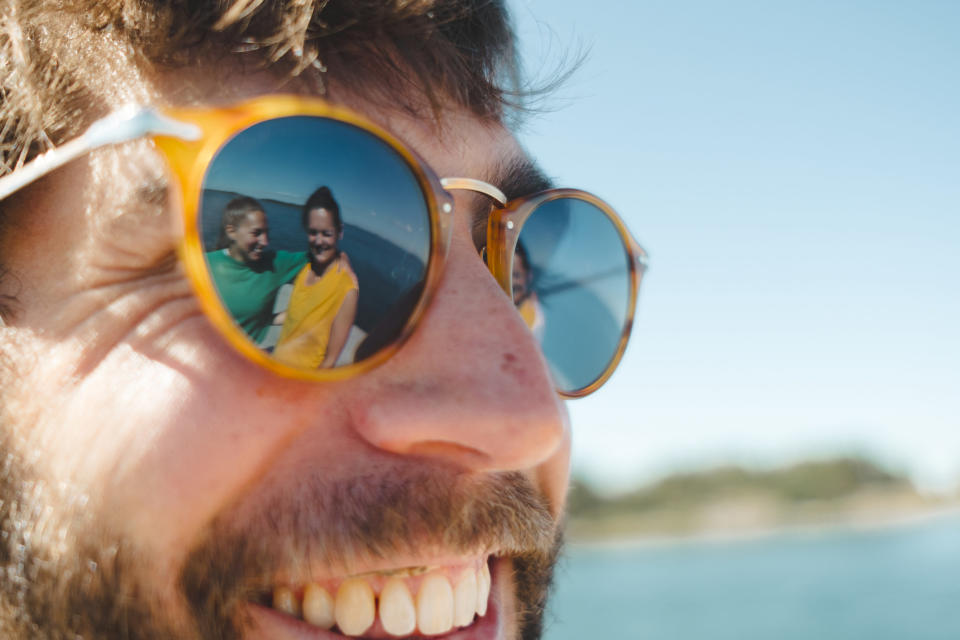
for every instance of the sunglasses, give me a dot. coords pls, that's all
(315, 240)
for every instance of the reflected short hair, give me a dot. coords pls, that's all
(322, 198)
(233, 214)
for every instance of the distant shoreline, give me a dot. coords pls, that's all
(641, 541)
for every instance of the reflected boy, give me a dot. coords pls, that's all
(323, 304)
(246, 274)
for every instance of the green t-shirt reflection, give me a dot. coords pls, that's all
(249, 292)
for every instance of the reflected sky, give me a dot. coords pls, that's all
(294, 156)
(580, 274)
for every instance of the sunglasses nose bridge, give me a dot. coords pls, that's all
(478, 186)
(491, 252)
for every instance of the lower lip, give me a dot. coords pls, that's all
(273, 625)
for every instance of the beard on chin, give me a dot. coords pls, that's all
(65, 575)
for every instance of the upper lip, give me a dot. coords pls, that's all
(304, 575)
(323, 533)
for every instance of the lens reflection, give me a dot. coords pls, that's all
(571, 285)
(317, 236)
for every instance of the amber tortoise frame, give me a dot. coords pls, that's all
(189, 138)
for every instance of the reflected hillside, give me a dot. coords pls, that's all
(737, 501)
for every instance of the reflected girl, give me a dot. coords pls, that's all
(246, 273)
(323, 303)
(524, 296)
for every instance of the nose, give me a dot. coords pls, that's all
(470, 386)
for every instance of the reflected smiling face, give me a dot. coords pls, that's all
(249, 238)
(199, 495)
(322, 238)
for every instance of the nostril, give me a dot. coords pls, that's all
(513, 431)
(459, 454)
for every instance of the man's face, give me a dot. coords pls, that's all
(168, 487)
(249, 238)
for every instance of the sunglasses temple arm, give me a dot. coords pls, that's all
(127, 124)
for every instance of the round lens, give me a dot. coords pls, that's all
(317, 237)
(571, 285)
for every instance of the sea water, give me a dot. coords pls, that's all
(894, 583)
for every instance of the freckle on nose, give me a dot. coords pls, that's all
(509, 363)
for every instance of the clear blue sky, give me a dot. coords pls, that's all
(794, 171)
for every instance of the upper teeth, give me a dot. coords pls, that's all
(444, 600)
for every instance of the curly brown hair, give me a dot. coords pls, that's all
(61, 63)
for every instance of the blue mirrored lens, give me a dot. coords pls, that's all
(317, 236)
(571, 284)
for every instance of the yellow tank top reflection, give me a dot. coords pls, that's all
(532, 314)
(313, 307)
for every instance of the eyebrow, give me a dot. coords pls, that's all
(520, 176)
(517, 177)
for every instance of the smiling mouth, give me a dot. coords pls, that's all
(406, 602)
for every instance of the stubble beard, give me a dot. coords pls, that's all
(66, 575)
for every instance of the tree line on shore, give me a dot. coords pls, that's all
(734, 499)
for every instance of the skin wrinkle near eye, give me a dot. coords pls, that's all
(128, 277)
(132, 281)
(10, 286)
(10, 283)
(146, 320)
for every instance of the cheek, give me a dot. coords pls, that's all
(158, 442)
(553, 476)
(81, 229)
